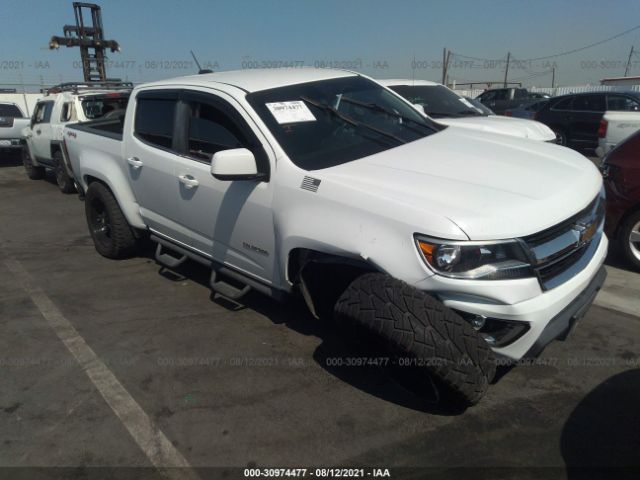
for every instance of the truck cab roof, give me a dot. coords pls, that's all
(253, 80)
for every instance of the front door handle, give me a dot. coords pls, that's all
(135, 162)
(188, 181)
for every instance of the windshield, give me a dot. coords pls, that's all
(107, 106)
(8, 110)
(331, 122)
(437, 100)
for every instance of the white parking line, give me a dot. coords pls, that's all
(151, 440)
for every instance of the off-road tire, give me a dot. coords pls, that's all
(624, 235)
(64, 181)
(117, 240)
(416, 327)
(33, 172)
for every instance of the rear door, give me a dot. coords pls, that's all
(151, 160)
(586, 116)
(228, 221)
(41, 132)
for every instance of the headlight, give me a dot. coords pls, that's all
(499, 260)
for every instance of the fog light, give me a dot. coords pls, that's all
(477, 321)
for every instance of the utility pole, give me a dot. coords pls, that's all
(626, 70)
(553, 77)
(506, 70)
(446, 56)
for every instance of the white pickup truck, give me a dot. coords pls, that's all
(447, 107)
(12, 124)
(62, 105)
(614, 128)
(448, 246)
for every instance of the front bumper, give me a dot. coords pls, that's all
(499, 300)
(12, 143)
(561, 325)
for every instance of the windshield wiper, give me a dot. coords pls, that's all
(469, 113)
(380, 108)
(351, 121)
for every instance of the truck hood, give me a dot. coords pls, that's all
(490, 186)
(517, 127)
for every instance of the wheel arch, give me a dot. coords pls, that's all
(321, 276)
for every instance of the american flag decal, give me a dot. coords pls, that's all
(310, 183)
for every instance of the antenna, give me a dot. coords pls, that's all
(200, 69)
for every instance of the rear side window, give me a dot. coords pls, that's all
(7, 110)
(520, 93)
(154, 121)
(622, 103)
(589, 103)
(211, 131)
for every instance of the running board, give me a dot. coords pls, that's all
(169, 260)
(227, 290)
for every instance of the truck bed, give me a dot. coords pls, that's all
(110, 127)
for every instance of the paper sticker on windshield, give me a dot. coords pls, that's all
(291, 112)
(466, 102)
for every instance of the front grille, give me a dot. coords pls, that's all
(560, 252)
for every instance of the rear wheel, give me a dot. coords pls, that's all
(419, 331)
(111, 234)
(33, 172)
(629, 238)
(64, 181)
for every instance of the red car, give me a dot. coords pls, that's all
(621, 172)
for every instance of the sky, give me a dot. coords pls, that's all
(383, 39)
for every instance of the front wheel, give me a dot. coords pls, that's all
(109, 229)
(629, 238)
(561, 137)
(419, 331)
(64, 181)
(33, 172)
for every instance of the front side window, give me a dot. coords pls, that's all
(563, 104)
(211, 131)
(154, 121)
(437, 100)
(330, 122)
(42, 113)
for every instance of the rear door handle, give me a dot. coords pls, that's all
(188, 181)
(38, 132)
(135, 162)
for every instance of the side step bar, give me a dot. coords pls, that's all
(217, 284)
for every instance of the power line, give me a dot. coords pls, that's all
(560, 54)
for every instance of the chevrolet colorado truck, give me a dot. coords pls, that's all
(450, 249)
(62, 105)
(447, 107)
(12, 124)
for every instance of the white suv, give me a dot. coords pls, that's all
(62, 105)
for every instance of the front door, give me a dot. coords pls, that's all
(41, 134)
(228, 221)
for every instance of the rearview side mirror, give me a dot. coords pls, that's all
(235, 164)
(420, 108)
